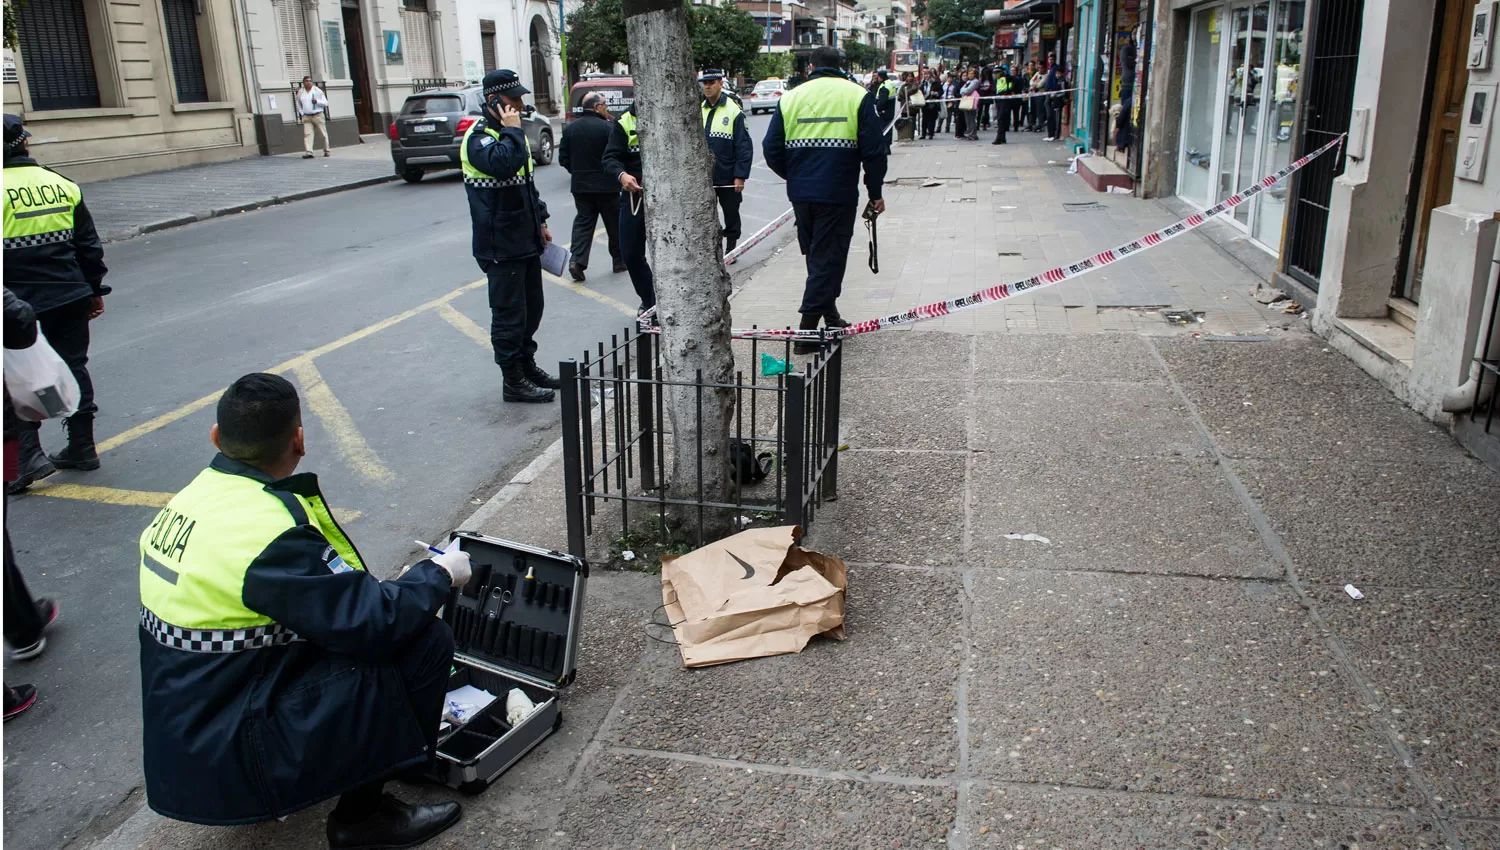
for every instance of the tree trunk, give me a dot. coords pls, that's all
(692, 285)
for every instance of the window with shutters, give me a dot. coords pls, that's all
(56, 51)
(414, 20)
(487, 45)
(294, 40)
(181, 19)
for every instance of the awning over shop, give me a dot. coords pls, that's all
(1031, 10)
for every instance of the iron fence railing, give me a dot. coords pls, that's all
(1487, 394)
(783, 441)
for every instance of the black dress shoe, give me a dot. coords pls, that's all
(576, 271)
(620, 267)
(395, 825)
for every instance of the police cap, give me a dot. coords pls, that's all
(15, 134)
(503, 81)
(710, 74)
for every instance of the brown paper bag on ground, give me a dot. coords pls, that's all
(751, 595)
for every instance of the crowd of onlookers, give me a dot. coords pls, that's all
(963, 100)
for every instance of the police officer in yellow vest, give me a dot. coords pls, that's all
(55, 263)
(622, 161)
(729, 142)
(823, 131)
(510, 232)
(887, 96)
(276, 672)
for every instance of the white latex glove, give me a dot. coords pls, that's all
(456, 562)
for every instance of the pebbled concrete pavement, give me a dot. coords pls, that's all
(1175, 666)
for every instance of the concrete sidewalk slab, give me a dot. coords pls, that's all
(1085, 419)
(895, 507)
(131, 206)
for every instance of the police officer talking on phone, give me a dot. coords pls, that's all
(510, 232)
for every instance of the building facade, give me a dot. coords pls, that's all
(519, 36)
(109, 89)
(1390, 240)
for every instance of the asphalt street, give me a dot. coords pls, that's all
(370, 301)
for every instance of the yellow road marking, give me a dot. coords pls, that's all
(466, 325)
(578, 289)
(190, 408)
(129, 498)
(340, 425)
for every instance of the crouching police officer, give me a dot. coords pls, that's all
(55, 263)
(275, 671)
(729, 142)
(510, 232)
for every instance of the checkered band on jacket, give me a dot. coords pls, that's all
(846, 144)
(495, 183)
(215, 640)
(34, 239)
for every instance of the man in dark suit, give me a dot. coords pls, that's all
(595, 194)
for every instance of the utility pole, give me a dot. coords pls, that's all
(692, 284)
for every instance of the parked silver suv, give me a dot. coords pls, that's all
(427, 134)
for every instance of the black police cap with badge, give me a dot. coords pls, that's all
(503, 81)
(15, 134)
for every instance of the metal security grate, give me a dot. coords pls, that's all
(182, 43)
(1488, 393)
(54, 36)
(419, 54)
(1334, 59)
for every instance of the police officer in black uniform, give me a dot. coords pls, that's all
(729, 142)
(510, 232)
(622, 161)
(55, 262)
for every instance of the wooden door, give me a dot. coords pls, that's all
(1439, 152)
(359, 71)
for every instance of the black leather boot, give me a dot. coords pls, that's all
(519, 388)
(729, 243)
(832, 319)
(34, 463)
(537, 375)
(809, 323)
(80, 453)
(394, 824)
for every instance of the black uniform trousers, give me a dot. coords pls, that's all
(1002, 119)
(729, 202)
(930, 114)
(591, 207)
(23, 622)
(424, 665)
(67, 331)
(633, 246)
(824, 232)
(515, 307)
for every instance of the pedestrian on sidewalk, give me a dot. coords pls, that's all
(596, 195)
(54, 262)
(276, 670)
(950, 101)
(311, 103)
(510, 233)
(622, 160)
(729, 142)
(968, 127)
(1052, 86)
(26, 618)
(987, 91)
(932, 92)
(820, 136)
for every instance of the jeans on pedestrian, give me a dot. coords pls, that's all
(823, 233)
(67, 330)
(960, 124)
(930, 121)
(633, 246)
(1054, 119)
(23, 622)
(516, 304)
(589, 208)
(729, 202)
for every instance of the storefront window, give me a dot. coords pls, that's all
(1281, 105)
(1199, 106)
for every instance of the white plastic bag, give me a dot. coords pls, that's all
(40, 384)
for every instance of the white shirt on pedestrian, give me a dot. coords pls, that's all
(310, 101)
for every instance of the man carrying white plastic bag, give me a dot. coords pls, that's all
(751, 595)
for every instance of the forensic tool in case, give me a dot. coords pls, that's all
(515, 627)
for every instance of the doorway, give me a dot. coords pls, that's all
(1433, 185)
(1244, 66)
(541, 72)
(359, 69)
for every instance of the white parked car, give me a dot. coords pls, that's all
(765, 95)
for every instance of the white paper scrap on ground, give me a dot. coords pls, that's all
(1353, 592)
(1034, 538)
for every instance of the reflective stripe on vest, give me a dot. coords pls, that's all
(892, 88)
(627, 123)
(39, 206)
(477, 178)
(822, 113)
(195, 554)
(724, 117)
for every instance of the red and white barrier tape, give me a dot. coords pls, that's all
(1050, 277)
(997, 96)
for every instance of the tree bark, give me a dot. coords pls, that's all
(692, 285)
